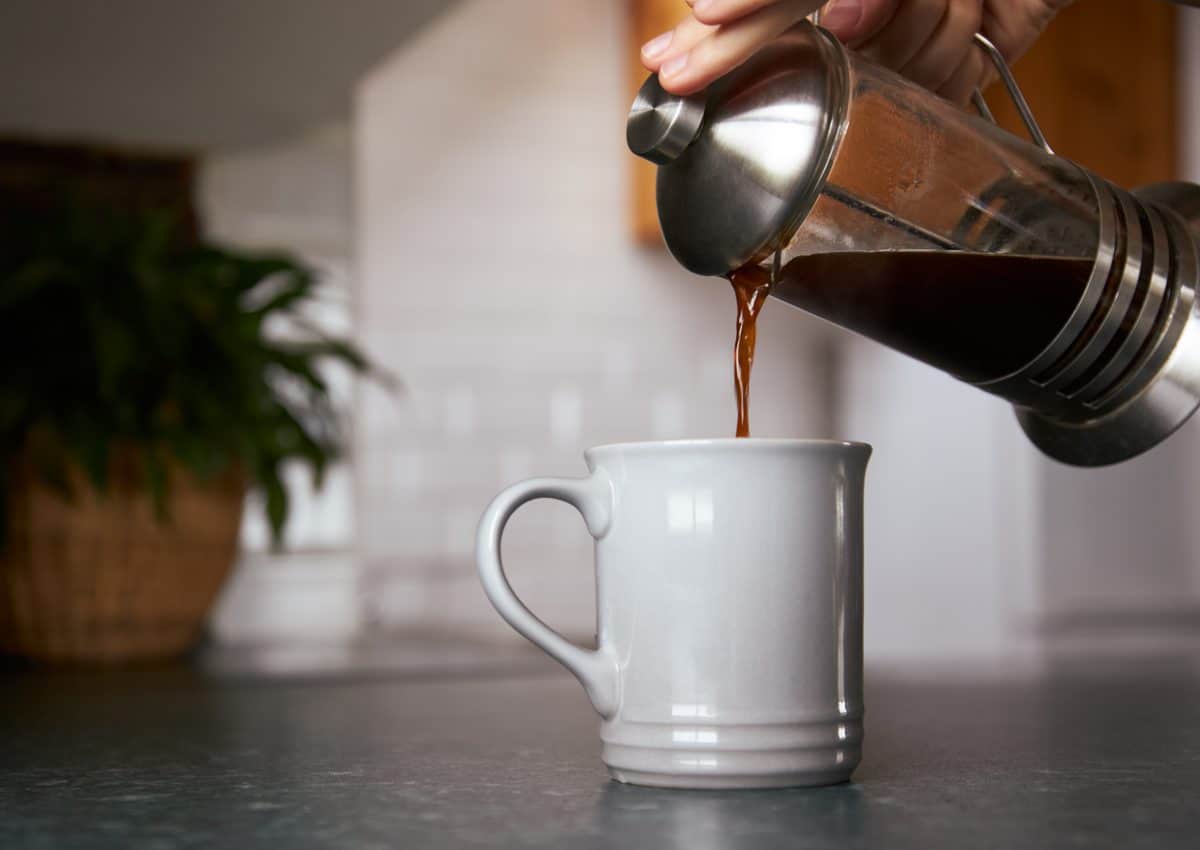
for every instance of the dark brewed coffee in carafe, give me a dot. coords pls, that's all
(960, 311)
(963, 312)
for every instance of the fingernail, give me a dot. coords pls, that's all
(842, 15)
(657, 45)
(703, 6)
(673, 65)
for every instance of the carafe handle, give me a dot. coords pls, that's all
(1014, 92)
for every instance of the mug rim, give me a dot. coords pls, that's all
(742, 444)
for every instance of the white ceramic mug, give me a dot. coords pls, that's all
(729, 597)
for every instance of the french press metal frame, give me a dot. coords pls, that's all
(1124, 372)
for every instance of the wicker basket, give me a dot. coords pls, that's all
(101, 579)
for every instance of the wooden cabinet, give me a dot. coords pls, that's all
(1101, 82)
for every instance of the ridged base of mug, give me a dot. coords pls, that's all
(769, 755)
(706, 782)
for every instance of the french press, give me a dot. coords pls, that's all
(807, 155)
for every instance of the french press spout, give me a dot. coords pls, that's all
(808, 151)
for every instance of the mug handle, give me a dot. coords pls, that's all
(595, 669)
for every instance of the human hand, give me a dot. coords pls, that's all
(928, 41)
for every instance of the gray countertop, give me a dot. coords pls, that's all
(1103, 755)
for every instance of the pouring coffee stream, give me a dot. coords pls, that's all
(751, 286)
(893, 213)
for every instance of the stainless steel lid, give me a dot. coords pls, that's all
(741, 164)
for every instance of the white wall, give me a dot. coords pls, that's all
(498, 279)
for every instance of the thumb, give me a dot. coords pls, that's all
(855, 21)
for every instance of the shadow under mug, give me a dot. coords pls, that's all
(729, 607)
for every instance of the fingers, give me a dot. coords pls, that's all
(970, 74)
(716, 12)
(948, 47)
(686, 69)
(928, 41)
(674, 43)
(855, 21)
(906, 34)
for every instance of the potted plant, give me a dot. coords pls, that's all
(145, 386)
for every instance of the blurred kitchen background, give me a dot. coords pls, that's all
(458, 172)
